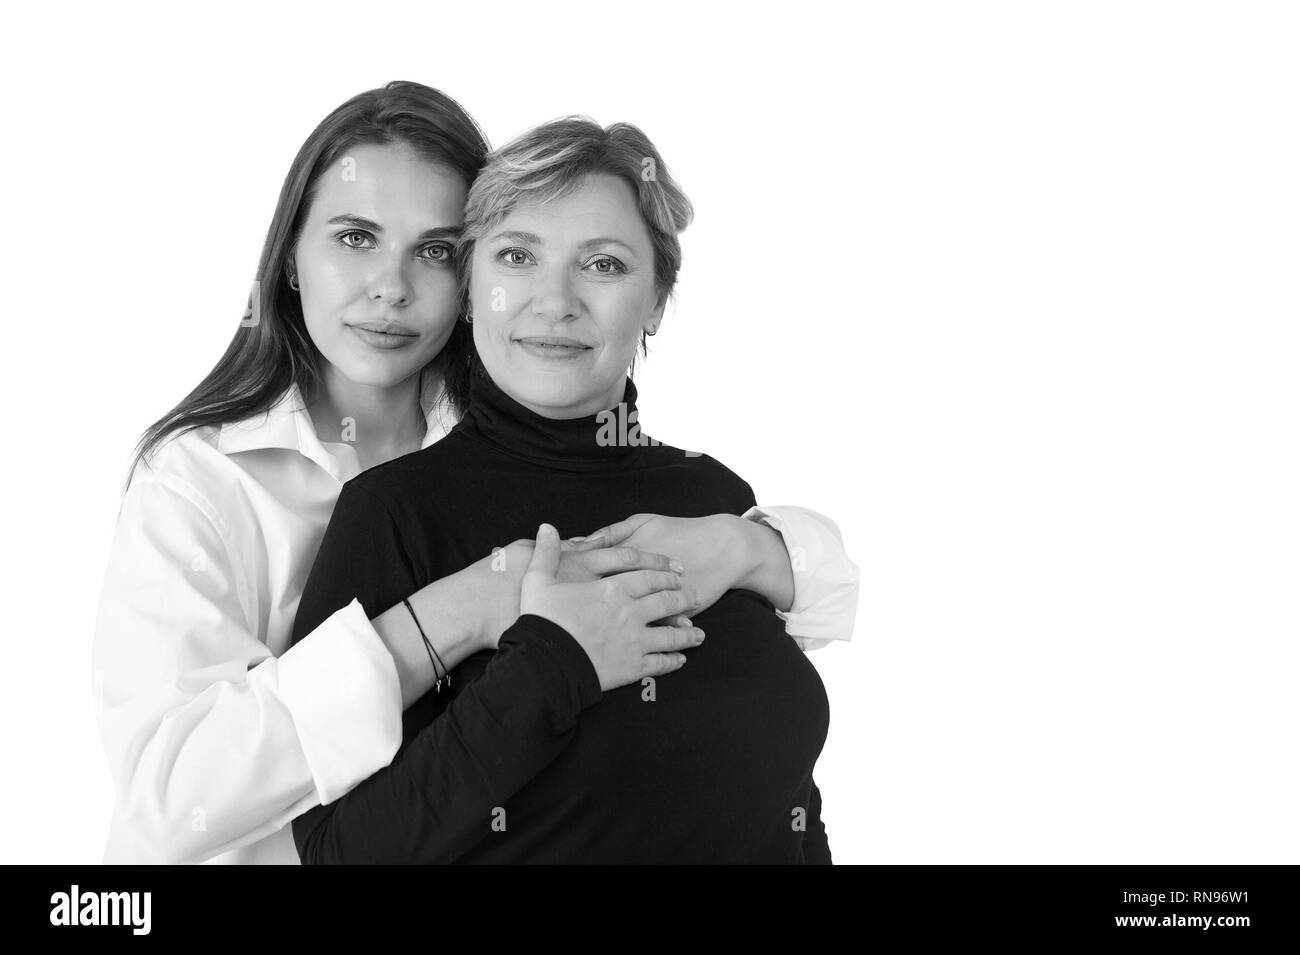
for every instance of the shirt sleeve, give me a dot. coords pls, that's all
(816, 849)
(825, 580)
(463, 758)
(213, 743)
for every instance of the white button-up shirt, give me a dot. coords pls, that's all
(219, 733)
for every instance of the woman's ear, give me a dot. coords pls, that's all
(654, 319)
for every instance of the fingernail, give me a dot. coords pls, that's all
(677, 566)
(546, 530)
(576, 540)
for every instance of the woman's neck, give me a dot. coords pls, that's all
(608, 439)
(382, 423)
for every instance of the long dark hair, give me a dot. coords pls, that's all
(274, 351)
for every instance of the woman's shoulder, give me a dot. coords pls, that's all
(448, 457)
(190, 465)
(705, 473)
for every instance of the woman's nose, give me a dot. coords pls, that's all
(553, 297)
(390, 284)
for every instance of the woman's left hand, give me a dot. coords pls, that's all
(712, 549)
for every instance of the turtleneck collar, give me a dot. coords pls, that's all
(606, 439)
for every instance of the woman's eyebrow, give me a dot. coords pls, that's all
(532, 238)
(513, 235)
(441, 232)
(361, 222)
(592, 243)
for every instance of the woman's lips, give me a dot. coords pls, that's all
(558, 349)
(382, 339)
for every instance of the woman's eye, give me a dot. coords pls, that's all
(514, 257)
(436, 253)
(361, 238)
(607, 265)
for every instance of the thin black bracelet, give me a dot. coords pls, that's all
(428, 647)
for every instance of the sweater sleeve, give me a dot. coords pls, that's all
(442, 793)
(438, 796)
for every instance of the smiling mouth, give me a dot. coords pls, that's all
(558, 346)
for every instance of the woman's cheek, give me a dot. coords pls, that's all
(327, 289)
(506, 295)
(632, 315)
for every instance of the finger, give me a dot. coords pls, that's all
(639, 583)
(613, 534)
(677, 620)
(584, 543)
(616, 560)
(657, 664)
(667, 603)
(671, 639)
(546, 555)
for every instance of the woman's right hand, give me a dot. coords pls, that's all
(611, 617)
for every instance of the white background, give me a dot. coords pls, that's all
(1007, 289)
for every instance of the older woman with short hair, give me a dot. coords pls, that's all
(569, 255)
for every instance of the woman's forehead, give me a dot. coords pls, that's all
(601, 206)
(391, 184)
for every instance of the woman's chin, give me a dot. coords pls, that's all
(377, 371)
(554, 389)
(551, 396)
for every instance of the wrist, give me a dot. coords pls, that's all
(765, 563)
(496, 580)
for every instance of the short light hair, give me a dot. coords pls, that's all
(552, 160)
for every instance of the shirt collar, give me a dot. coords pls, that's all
(288, 424)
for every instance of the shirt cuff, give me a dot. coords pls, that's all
(341, 685)
(825, 601)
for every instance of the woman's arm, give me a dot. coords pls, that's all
(791, 555)
(458, 613)
(437, 798)
(212, 742)
(447, 787)
(825, 599)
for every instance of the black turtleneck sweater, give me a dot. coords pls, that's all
(525, 760)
